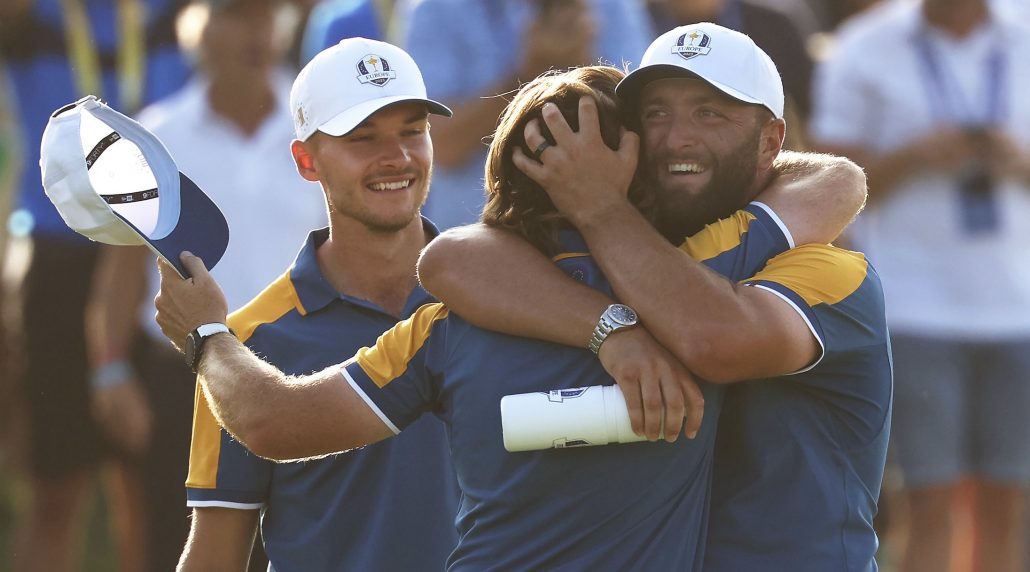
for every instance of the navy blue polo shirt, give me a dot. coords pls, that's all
(639, 506)
(387, 506)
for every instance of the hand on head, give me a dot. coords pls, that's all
(580, 172)
(184, 304)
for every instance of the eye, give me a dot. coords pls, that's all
(358, 138)
(654, 113)
(708, 113)
(414, 131)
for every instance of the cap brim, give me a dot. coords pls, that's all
(630, 87)
(345, 122)
(200, 229)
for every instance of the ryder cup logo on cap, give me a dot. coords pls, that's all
(693, 44)
(728, 60)
(328, 95)
(375, 69)
(114, 182)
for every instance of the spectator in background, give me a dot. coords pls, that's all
(472, 53)
(930, 97)
(771, 29)
(227, 129)
(334, 20)
(57, 51)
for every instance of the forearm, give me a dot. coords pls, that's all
(220, 539)
(694, 312)
(815, 195)
(283, 417)
(527, 295)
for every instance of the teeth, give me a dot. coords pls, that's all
(391, 186)
(687, 167)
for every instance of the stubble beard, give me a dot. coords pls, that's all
(381, 225)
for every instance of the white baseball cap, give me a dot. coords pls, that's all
(114, 182)
(344, 84)
(728, 60)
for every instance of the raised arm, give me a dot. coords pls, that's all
(274, 415)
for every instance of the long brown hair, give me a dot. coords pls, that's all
(514, 201)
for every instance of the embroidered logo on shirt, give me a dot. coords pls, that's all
(375, 70)
(692, 44)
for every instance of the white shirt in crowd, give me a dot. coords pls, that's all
(939, 279)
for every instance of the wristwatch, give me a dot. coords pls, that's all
(195, 342)
(616, 317)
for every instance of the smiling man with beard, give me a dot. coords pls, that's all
(802, 437)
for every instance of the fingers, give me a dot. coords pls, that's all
(194, 265)
(695, 404)
(533, 135)
(631, 393)
(555, 121)
(672, 396)
(530, 167)
(629, 146)
(651, 398)
(589, 122)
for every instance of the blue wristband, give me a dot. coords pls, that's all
(110, 374)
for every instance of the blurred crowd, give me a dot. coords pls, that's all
(926, 95)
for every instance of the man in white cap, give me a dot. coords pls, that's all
(801, 446)
(360, 115)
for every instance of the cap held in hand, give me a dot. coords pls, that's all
(114, 182)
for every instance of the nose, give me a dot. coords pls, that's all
(394, 153)
(683, 132)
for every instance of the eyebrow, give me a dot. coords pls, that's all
(416, 117)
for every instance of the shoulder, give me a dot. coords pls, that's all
(818, 273)
(274, 302)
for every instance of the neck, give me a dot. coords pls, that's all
(956, 17)
(244, 104)
(372, 265)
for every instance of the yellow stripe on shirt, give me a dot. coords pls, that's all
(718, 237)
(568, 255)
(205, 448)
(819, 273)
(395, 348)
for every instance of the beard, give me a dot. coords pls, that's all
(680, 215)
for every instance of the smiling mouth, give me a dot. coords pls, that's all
(686, 168)
(391, 186)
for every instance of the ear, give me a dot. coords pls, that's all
(305, 162)
(770, 142)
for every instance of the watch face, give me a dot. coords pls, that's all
(622, 315)
(190, 350)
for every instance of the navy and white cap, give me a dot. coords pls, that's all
(728, 60)
(344, 84)
(114, 182)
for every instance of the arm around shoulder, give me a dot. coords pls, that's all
(498, 281)
(815, 195)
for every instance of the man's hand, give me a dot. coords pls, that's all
(580, 173)
(123, 413)
(183, 305)
(650, 377)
